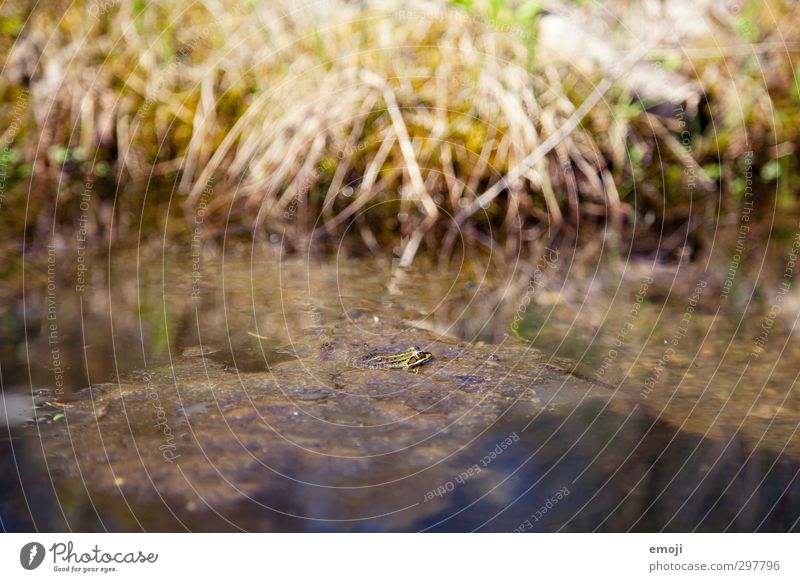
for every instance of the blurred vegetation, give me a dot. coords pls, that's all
(381, 123)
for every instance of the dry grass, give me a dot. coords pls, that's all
(412, 125)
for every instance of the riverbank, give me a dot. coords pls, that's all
(401, 128)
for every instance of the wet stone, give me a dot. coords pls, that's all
(470, 384)
(308, 417)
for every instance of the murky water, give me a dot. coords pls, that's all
(174, 394)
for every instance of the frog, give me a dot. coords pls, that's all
(411, 359)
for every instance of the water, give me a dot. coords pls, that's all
(178, 395)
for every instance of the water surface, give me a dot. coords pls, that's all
(179, 394)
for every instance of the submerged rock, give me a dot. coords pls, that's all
(310, 434)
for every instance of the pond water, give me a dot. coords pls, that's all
(169, 393)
